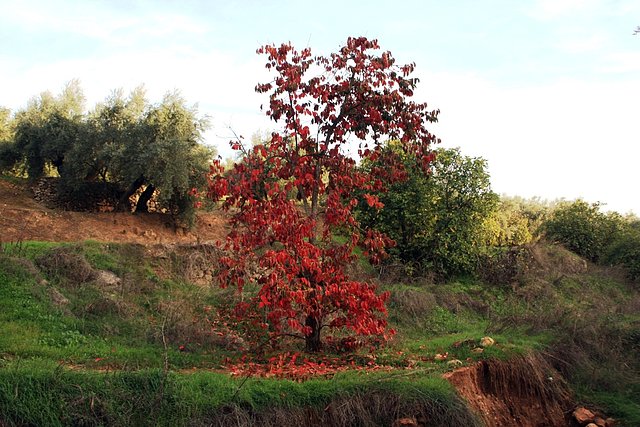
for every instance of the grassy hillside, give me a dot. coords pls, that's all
(120, 334)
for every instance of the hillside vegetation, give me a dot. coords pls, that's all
(134, 329)
(148, 283)
(102, 333)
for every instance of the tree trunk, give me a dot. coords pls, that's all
(59, 163)
(144, 198)
(312, 341)
(314, 201)
(123, 202)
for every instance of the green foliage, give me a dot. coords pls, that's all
(10, 160)
(625, 249)
(609, 238)
(124, 144)
(436, 218)
(109, 128)
(47, 128)
(170, 157)
(6, 126)
(515, 221)
(582, 228)
(8, 155)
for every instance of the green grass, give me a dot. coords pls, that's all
(622, 405)
(48, 395)
(27, 249)
(69, 364)
(102, 354)
(32, 328)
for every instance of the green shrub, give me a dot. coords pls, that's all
(435, 217)
(625, 250)
(515, 221)
(582, 228)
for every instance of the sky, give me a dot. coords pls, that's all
(547, 91)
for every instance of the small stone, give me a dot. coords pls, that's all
(440, 357)
(592, 425)
(107, 278)
(454, 362)
(477, 350)
(487, 342)
(583, 415)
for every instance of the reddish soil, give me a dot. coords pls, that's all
(23, 218)
(513, 393)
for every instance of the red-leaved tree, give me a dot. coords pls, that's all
(294, 194)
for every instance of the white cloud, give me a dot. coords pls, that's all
(95, 21)
(566, 139)
(554, 9)
(586, 43)
(80, 18)
(621, 62)
(567, 11)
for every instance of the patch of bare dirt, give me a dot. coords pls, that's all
(23, 218)
(524, 392)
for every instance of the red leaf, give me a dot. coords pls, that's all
(289, 195)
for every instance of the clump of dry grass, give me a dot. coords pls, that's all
(520, 264)
(530, 375)
(366, 409)
(182, 322)
(524, 390)
(65, 262)
(412, 303)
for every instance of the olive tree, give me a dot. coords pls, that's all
(48, 127)
(164, 153)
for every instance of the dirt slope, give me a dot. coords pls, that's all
(524, 391)
(23, 218)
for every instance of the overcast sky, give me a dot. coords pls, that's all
(548, 91)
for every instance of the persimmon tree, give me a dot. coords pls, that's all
(292, 197)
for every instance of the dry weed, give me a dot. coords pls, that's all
(66, 263)
(367, 409)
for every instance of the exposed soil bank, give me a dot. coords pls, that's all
(22, 218)
(525, 391)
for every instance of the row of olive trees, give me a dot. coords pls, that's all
(124, 141)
